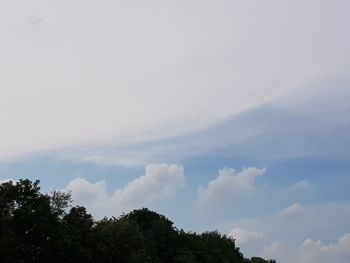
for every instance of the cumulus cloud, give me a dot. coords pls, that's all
(159, 181)
(311, 251)
(302, 185)
(229, 185)
(245, 236)
(86, 193)
(289, 235)
(315, 251)
(308, 251)
(248, 241)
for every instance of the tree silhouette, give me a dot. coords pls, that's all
(36, 227)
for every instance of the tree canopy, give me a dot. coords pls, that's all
(38, 227)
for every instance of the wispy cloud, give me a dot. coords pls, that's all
(294, 212)
(302, 185)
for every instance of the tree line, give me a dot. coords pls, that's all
(38, 227)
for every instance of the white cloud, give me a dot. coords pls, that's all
(248, 241)
(302, 185)
(245, 236)
(229, 186)
(159, 182)
(86, 193)
(314, 251)
(284, 236)
(293, 212)
(309, 251)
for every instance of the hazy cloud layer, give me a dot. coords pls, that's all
(310, 128)
(91, 72)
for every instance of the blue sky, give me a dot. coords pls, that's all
(228, 115)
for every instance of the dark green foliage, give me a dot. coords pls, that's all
(119, 240)
(28, 227)
(36, 227)
(162, 245)
(78, 235)
(60, 201)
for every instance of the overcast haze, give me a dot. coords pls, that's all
(228, 115)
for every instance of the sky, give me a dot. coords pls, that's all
(223, 115)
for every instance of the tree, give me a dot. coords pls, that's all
(159, 232)
(27, 222)
(36, 227)
(119, 240)
(78, 225)
(60, 201)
